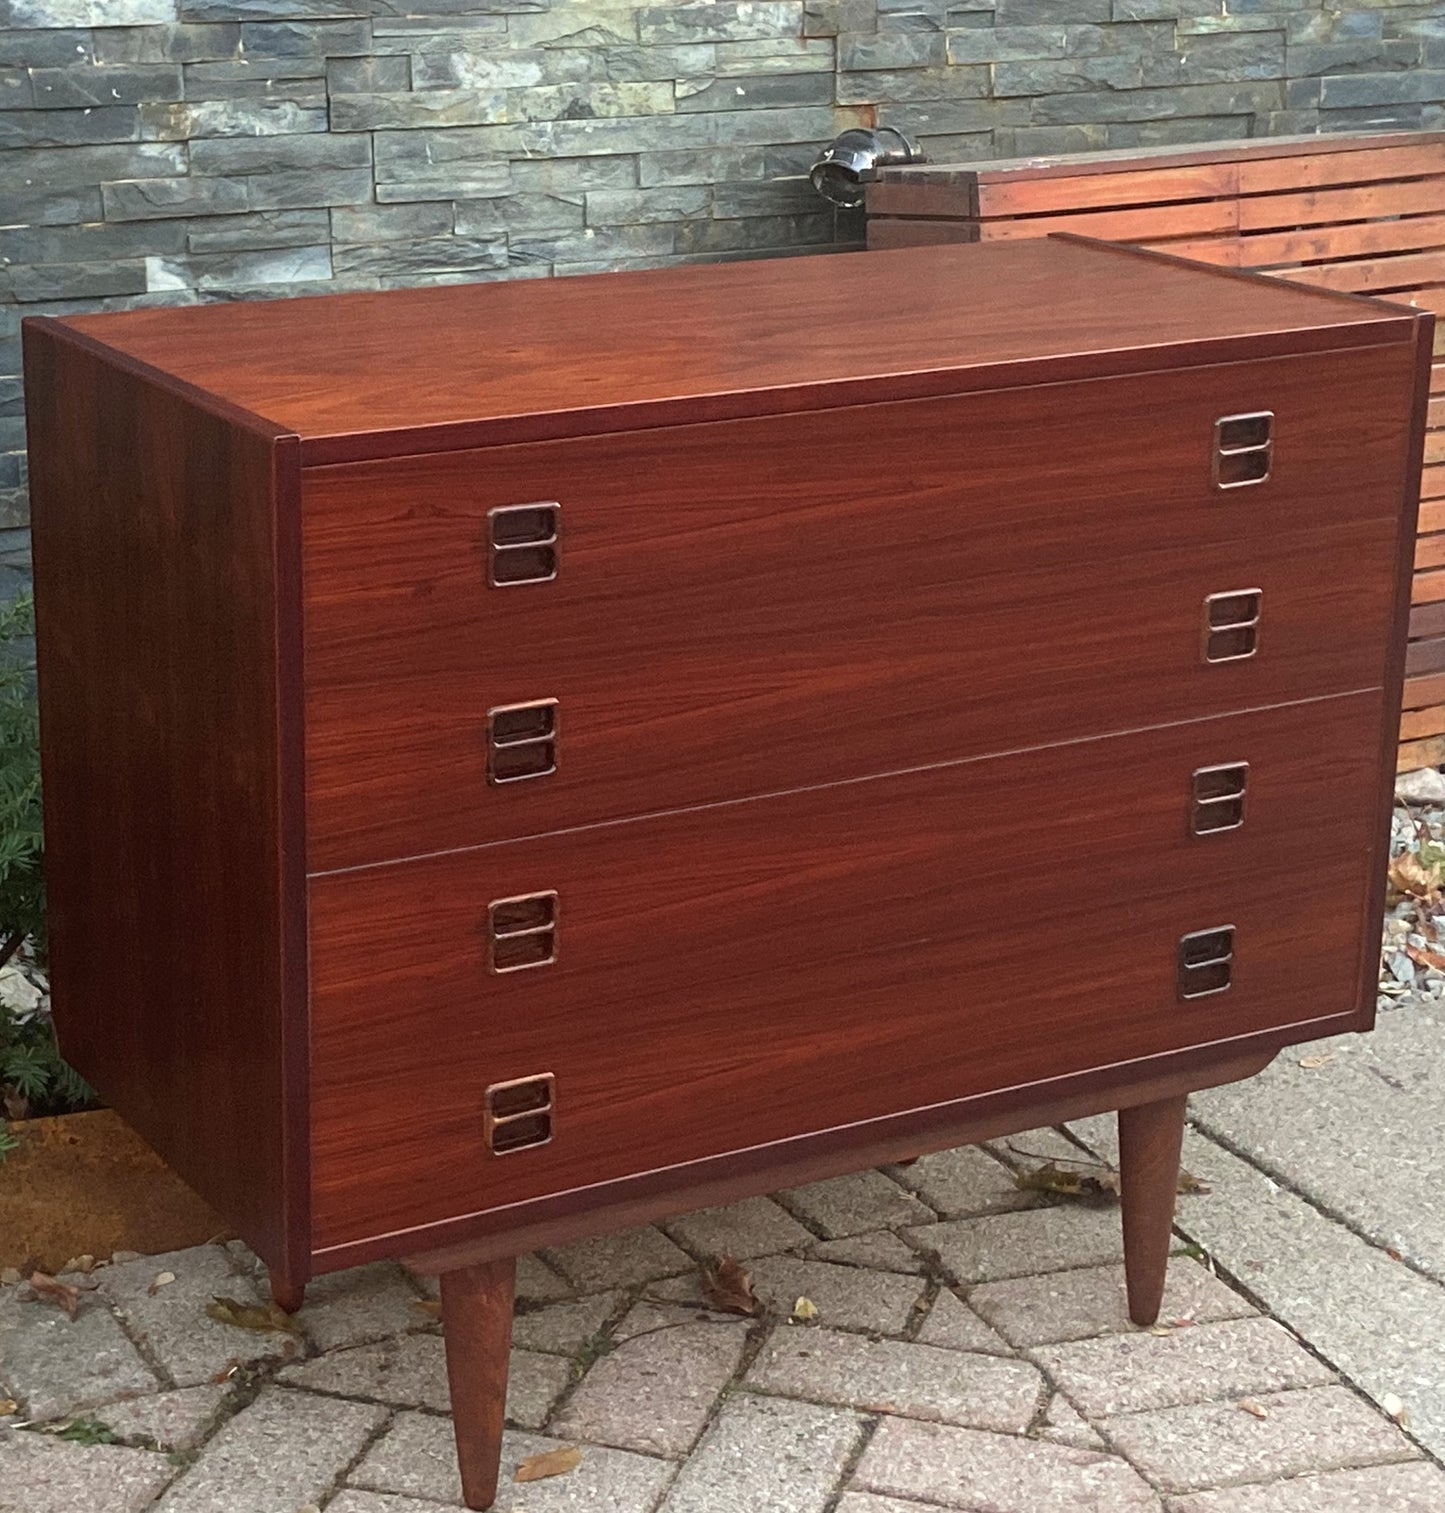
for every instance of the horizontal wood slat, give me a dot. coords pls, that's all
(1325, 168)
(1425, 656)
(1432, 482)
(1423, 692)
(1086, 192)
(1415, 723)
(1429, 587)
(1435, 416)
(1430, 551)
(1358, 275)
(910, 232)
(1434, 446)
(1415, 754)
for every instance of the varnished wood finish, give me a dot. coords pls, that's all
(287, 1296)
(865, 570)
(766, 604)
(366, 375)
(1361, 214)
(823, 957)
(477, 1323)
(561, 1218)
(166, 580)
(1150, 1138)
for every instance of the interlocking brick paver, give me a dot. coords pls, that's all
(168, 1420)
(1073, 1305)
(1021, 1244)
(354, 1307)
(860, 1201)
(846, 1297)
(765, 1455)
(920, 1381)
(40, 1474)
(417, 1457)
(955, 1326)
(245, 1470)
(410, 1372)
(881, 1250)
(1413, 1487)
(564, 1328)
(620, 1260)
(653, 1393)
(967, 1468)
(754, 1227)
(1065, 1425)
(353, 1500)
(1216, 1444)
(173, 1324)
(56, 1365)
(1128, 1373)
(963, 1182)
(870, 1502)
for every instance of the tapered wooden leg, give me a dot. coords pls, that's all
(287, 1298)
(477, 1323)
(1150, 1137)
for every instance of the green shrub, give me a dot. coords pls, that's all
(33, 1078)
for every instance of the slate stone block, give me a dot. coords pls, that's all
(50, 48)
(723, 21)
(81, 85)
(1038, 12)
(181, 43)
(442, 254)
(904, 85)
(81, 168)
(155, 199)
(230, 118)
(69, 128)
(299, 188)
(306, 39)
(1049, 76)
(44, 281)
(259, 229)
(521, 214)
(269, 154)
(761, 91)
(367, 76)
(1423, 86)
(425, 107)
(899, 49)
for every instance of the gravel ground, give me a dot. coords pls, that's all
(1414, 927)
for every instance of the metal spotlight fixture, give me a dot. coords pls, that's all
(854, 157)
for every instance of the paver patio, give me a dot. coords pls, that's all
(971, 1352)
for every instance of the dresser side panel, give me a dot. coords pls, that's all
(167, 600)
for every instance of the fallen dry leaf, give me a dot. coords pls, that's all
(1425, 958)
(1049, 1178)
(1160, 1329)
(263, 1318)
(85, 1263)
(729, 1288)
(550, 1463)
(1410, 877)
(1311, 1062)
(8, 1405)
(228, 1370)
(1189, 1183)
(429, 1306)
(1395, 1409)
(1251, 1406)
(62, 1294)
(805, 1309)
(162, 1279)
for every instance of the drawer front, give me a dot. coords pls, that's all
(745, 973)
(762, 605)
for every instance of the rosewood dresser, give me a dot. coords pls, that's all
(527, 758)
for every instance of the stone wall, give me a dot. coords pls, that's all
(180, 150)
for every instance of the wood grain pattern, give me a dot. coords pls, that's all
(823, 957)
(477, 1320)
(1150, 1138)
(769, 604)
(376, 374)
(167, 598)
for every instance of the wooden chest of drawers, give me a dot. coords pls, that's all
(526, 758)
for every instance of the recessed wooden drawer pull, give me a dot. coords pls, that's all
(518, 1115)
(521, 741)
(1243, 449)
(1231, 625)
(1206, 961)
(523, 543)
(522, 932)
(1217, 798)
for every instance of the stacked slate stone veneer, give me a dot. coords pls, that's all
(181, 150)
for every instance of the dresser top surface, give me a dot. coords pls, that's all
(705, 342)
